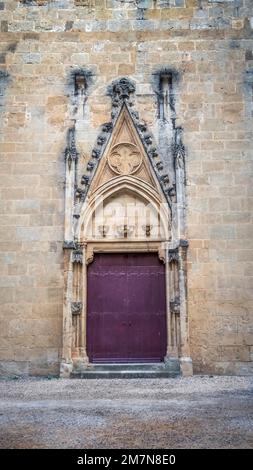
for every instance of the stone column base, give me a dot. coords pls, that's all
(172, 365)
(80, 363)
(186, 366)
(66, 369)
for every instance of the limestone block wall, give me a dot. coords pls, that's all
(45, 46)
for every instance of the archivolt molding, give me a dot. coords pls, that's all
(123, 184)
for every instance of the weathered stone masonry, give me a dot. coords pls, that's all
(191, 66)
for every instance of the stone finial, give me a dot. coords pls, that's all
(121, 91)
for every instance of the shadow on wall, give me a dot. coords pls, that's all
(4, 83)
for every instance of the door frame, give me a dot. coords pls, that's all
(79, 352)
(76, 259)
(121, 248)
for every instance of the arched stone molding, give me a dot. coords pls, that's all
(114, 187)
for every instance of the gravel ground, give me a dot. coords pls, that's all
(197, 412)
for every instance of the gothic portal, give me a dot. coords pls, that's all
(125, 253)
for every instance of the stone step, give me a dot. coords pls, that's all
(129, 370)
(127, 366)
(123, 374)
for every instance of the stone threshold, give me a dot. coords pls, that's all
(128, 371)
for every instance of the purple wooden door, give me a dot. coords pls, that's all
(126, 318)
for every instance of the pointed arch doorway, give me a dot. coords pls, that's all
(125, 226)
(125, 289)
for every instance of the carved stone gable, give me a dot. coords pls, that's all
(124, 155)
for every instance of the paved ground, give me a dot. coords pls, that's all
(198, 412)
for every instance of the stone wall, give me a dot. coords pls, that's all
(45, 47)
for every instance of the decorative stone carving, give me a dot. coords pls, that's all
(96, 153)
(183, 246)
(71, 152)
(81, 194)
(101, 140)
(159, 166)
(69, 245)
(147, 229)
(142, 127)
(165, 179)
(173, 255)
(76, 308)
(171, 191)
(107, 127)
(103, 230)
(175, 305)
(85, 180)
(124, 159)
(125, 154)
(179, 150)
(121, 90)
(125, 230)
(148, 139)
(90, 166)
(183, 243)
(77, 256)
(153, 152)
(135, 115)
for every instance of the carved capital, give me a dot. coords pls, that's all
(69, 245)
(76, 308)
(77, 256)
(173, 255)
(175, 305)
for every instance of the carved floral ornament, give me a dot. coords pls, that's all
(124, 159)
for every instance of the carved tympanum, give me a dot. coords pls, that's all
(125, 158)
